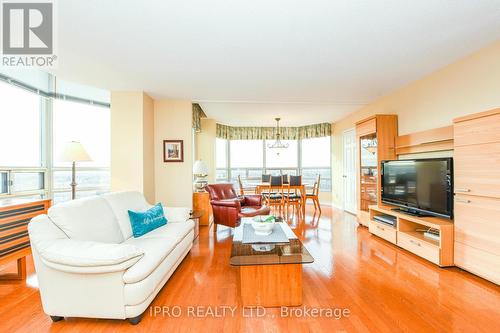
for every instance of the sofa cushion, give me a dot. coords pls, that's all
(155, 251)
(156, 245)
(176, 214)
(121, 203)
(141, 291)
(149, 220)
(90, 219)
(174, 231)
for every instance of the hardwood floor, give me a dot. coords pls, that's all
(385, 289)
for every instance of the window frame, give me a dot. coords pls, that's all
(265, 169)
(46, 108)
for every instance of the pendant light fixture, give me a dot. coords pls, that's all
(278, 145)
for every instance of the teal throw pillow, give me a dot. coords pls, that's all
(144, 222)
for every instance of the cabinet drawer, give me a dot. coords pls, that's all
(476, 131)
(476, 170)
(383, 231)
(479, 262)
(419, 247)
(477, 222)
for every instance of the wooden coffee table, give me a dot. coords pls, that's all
(270, 275)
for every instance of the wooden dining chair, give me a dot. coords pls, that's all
(315, 194)
(274, 195)
(293, 196)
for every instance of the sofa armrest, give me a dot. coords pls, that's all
(234, 203)
(176, 214)
(253, 200)
(76, 256)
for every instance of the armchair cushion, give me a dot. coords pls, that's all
(65, 254)
(253, 200)
(235, 203)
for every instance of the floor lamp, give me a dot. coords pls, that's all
(74, 152)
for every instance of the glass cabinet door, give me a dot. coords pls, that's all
(368, 170)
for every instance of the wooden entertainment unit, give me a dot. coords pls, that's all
(406, 236)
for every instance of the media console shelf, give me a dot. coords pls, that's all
(406, 234)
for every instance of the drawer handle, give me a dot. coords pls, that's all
(462, 200)
(379, 227)
(416, 243)
(462, 190)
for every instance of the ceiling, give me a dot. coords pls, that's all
(317, 60)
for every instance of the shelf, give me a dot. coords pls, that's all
(420, 236)
(439, 251)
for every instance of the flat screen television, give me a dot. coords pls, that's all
(419, 187)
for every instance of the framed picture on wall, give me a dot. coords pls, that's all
(173, 151)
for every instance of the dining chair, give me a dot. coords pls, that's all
(293, 196)
(240, 183)
(266, 178)
(285, 179)
(274, 194)
(315, 194)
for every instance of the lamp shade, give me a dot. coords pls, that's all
(200, 168)
(74, 152)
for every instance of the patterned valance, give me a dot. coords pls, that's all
(269, 133)
(197, 115)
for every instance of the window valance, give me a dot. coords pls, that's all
(197, 115)
(269, 133)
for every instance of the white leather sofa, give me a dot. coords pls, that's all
(89, 265)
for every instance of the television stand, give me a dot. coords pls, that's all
(410, 212)
(409, 233)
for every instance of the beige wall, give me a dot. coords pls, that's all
(467, 86)
(131, 124)
(205, 146)
(174, 181)
(148, 152)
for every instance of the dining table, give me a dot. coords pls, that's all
(260, 186)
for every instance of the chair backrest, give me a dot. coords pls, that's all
(266, 178)
(316, 185)
(240, 183)
(276, 181)
(295, 180)
(285, 179)
(221, 191)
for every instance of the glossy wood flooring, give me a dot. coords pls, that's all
(385, 289)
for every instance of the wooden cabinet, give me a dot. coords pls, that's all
(376, 137)
(477, 194)
(407, 234)
(201, 202)
(14, 240)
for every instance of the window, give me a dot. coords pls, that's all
(249, 159)
(316, 152)
(221, 153)
(282, 158)
(28, 140)
(246, 154)
(20, 132)
(316, 160)
(84, 123)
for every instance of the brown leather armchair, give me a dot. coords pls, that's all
(228, 208)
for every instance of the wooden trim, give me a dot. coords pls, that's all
(437, 139)
(477, 115)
